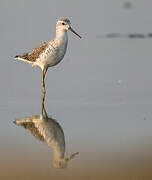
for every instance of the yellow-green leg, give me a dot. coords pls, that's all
(42, 102)
(42, 106)
(43, 78)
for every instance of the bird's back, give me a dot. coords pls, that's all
(46, 54)
(34, 54)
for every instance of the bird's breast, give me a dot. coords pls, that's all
(56, 53)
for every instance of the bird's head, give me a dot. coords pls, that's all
(63, 162)
(64, 24)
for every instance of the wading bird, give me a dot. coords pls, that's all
(51, 52)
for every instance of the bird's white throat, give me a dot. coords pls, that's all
(61, 35)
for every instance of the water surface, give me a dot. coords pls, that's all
(100, 94)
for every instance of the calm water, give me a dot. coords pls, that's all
(100, 94)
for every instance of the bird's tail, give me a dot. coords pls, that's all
(23, 57)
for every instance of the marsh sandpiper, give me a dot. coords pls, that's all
(49, 53)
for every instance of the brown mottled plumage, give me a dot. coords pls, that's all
(64, 19)
(34, 130)
(34, 54)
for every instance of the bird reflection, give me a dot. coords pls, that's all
(48, 130)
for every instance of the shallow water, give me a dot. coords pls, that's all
(100, 94)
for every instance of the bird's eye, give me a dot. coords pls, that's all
(63, 23)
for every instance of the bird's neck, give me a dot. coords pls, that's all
(61, 36)
(58, 152)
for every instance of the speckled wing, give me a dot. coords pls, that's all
(28, 123)
(34, 54)
(34, 130)
(44, 130)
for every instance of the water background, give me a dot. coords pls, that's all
(101, 93)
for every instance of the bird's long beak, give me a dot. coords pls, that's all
(74, 32)
(72, 156)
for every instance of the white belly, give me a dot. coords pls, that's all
(55, 57)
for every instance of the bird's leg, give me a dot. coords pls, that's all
(43, 77)
(42, 105)
(42, 102)
(45, 113)
(43, 84)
